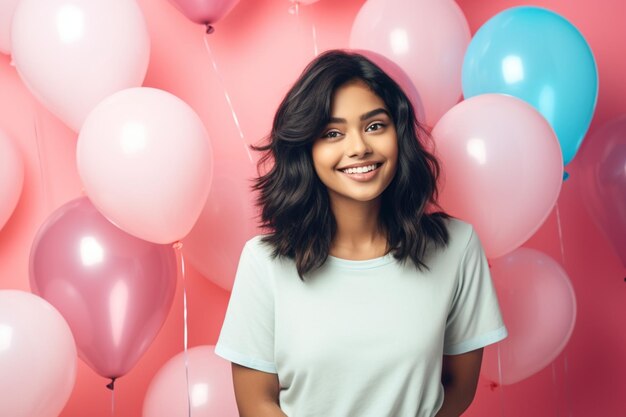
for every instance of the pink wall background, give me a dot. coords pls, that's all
(259, 50)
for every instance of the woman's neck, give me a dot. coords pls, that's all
(358, 235)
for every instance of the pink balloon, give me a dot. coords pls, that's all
(501, 168)
(114, 290)
(603, 175)
(37, 357)
(11, 177)
(7, 8)
(73, 54)
(210, 387)
(539, 309)
(427, 38)
(227, 221)
(205, 12)
(145, 160)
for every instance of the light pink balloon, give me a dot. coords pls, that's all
(539, 308)
(11, 177)
(227, 221)
(7, 8)
(427, 38)
(37, 357)
(603, 181)
(71, 54)
(114, 290)
(210, 387)
(145, 160)
(501, 168)
(205, 12)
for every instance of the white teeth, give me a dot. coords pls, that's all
(360, 170)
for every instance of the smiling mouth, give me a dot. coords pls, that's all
(362, 169)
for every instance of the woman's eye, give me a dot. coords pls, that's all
(375, 126)
(332, 134)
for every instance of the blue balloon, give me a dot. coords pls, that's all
(538, 56)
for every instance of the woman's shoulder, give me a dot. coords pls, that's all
(461, 233)
(262, 255)
(259, 248)
(258, 242)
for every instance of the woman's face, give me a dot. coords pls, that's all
(356, 156)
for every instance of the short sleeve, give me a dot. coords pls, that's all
(247, 334)
(474, 320)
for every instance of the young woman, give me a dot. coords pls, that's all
(361, 301)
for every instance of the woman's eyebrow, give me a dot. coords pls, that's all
(364, 116)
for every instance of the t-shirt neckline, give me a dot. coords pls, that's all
(360, 264)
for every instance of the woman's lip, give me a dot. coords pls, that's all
(378, 164)
(363, 176)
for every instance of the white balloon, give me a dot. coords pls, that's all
(210, 390)
(71, 54)
(7, 8)
(37, 356)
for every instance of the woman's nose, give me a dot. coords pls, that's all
(357, 146)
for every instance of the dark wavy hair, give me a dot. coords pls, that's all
(294, 203)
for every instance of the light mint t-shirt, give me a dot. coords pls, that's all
(361, 338)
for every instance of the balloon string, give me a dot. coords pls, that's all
(556, 391)
(185, 331)
(500, 381)
(566, 375)
(315, 48)
(567, 393)
(42, 169)
(560, 230)
(227, 96)
(178, 246)
(295, 10)
(112, 398)
(111, 386)
(500, 384)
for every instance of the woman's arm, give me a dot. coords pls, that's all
(459, 376)
(256, 392)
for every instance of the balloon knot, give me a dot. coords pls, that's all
(565, 175)
(111, 385)
(209, 29)
(178, 245)
(494, 386)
